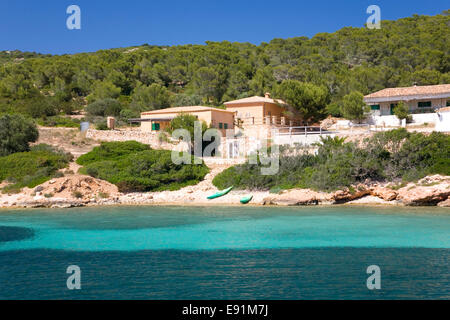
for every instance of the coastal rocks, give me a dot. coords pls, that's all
(342, 196)
(297, 197)
(79, 186)
(445, 203)
(424, 196)
(384, 193)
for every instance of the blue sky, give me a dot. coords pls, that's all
(41, 25)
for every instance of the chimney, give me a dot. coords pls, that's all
(267, 95)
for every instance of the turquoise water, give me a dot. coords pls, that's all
(201, 253)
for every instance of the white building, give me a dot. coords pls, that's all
(422, 101)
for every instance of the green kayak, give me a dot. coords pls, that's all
(246, 200)
(220, 193)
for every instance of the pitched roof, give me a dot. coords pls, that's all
(184, 109)
(255, 99)
(415, 92)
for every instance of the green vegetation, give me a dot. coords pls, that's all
(16, 132)
(325, 68)
(32, 168)
(353, 107)
(401, 111)
(134, 167)
(59, 121)
(112, 151)
(305, 99)
(387, 156)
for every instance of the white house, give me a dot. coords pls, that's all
(422, 101)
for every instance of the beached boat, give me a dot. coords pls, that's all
(220, 193)
(246, 199)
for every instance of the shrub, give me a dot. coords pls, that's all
(134, 167)
(29, 169)
(112, 151)
(16, 132)
(354, 107)
(104, 108)
(102, 126)
(401, 111)
(103, 195)
(386, 156)
(58, 121)
(77, 194)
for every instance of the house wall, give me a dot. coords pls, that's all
(393, 121)
(413, 105)
(211, 117)
(249, 110)
(218, 117)
(271, 109)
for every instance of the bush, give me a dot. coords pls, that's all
(401, 111)
(387, 156)
(134, 167)
(104, 108)
(102, 126)
(58, 121)
(16, 132)
(77, 194)
(29, 169)
(354, 107)
(112, 151)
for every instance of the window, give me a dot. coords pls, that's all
(220, 125)
(155, 126)
(225, 126)
(448, 103)
(375, 107)
(393, 105)
(424, 104)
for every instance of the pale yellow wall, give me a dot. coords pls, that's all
(271, 109)
(208, 116)
(222, 117)
(247, 111)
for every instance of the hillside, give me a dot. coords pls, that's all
(406, 51)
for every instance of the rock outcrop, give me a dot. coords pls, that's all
(298, 197)
(445, 203)
(384, 193)
(342, 196)
(428, 191)
(79, 187)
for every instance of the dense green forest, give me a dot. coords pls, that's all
(123, 82)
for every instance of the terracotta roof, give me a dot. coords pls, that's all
(184, 109)
(255, 99)
(440, 90)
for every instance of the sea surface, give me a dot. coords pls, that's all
(156, 252)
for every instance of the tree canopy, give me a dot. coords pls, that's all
(403, 52)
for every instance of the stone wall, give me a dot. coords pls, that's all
(127, 135)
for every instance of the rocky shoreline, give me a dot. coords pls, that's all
(85, 191)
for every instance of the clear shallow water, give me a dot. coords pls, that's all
(225, 252)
